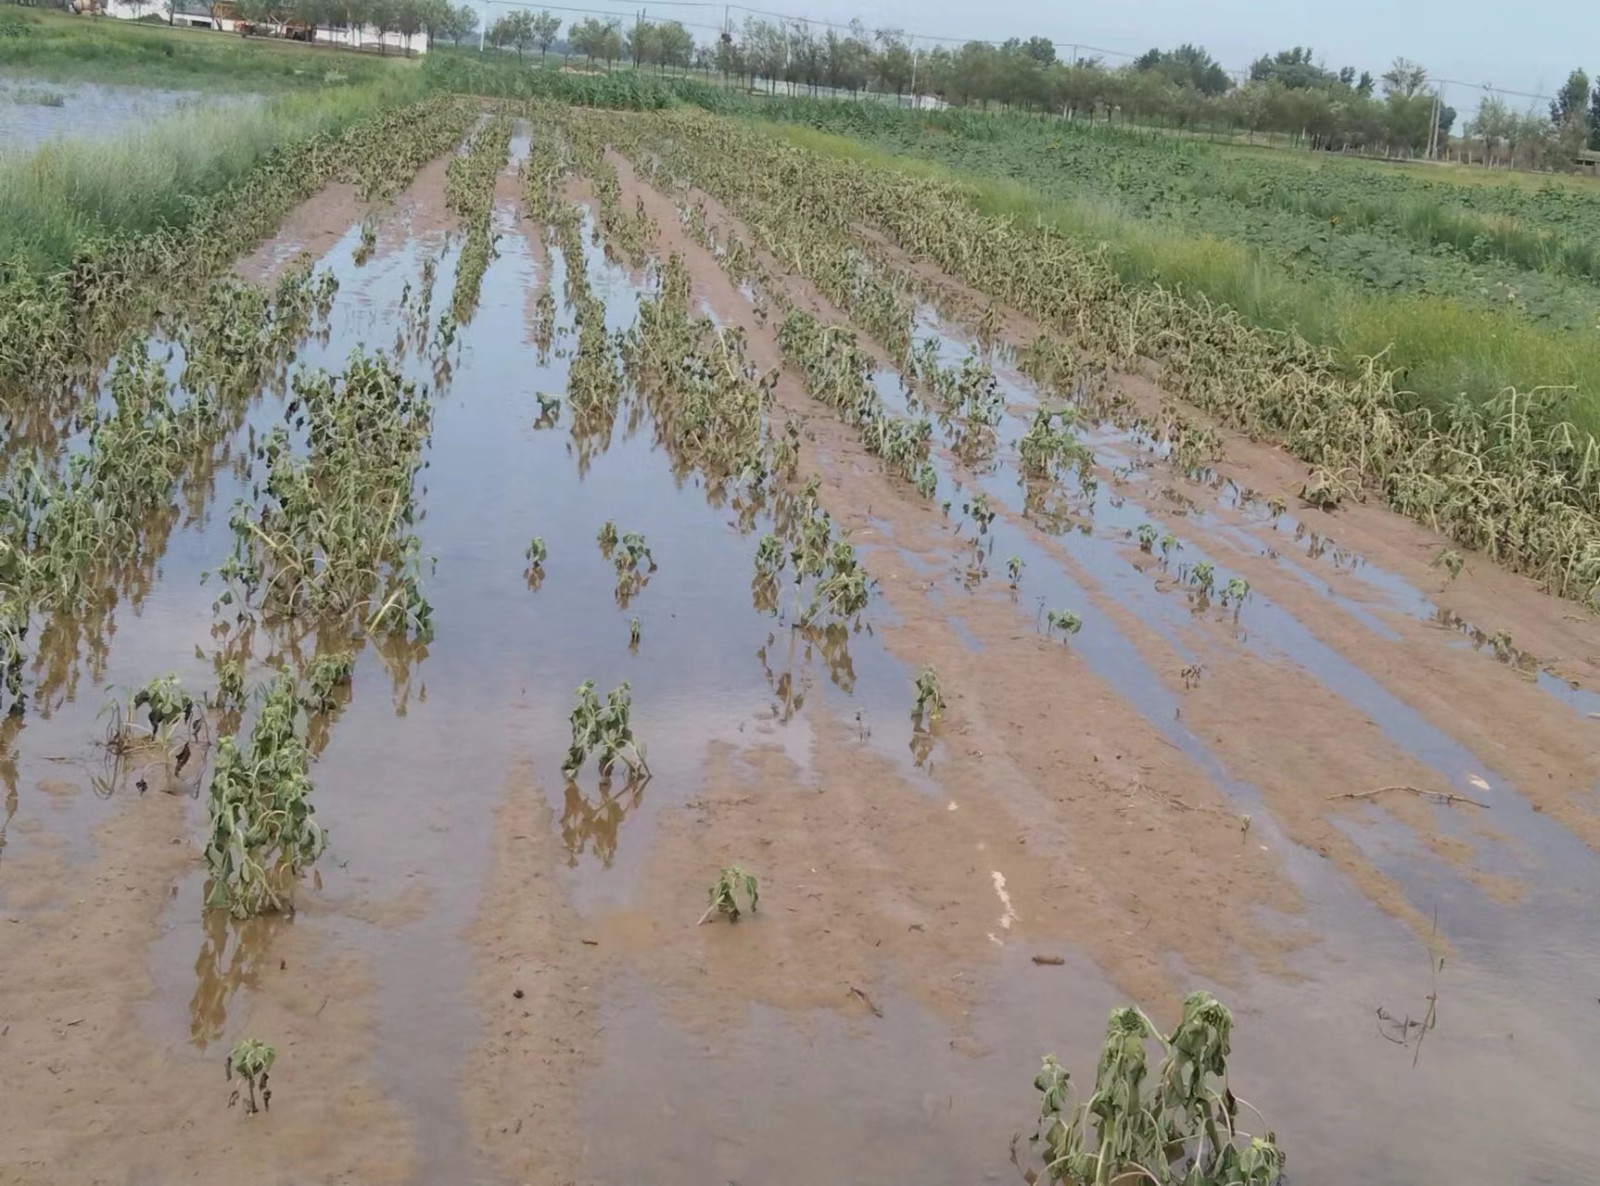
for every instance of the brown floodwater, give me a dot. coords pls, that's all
(494, 974)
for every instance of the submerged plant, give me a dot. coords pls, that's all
(1177, 1127)
(929, 706)
(328, 673)
(1014, 567)
(724, 894)
(536, 555)
(1063, 620)
(251, 1059)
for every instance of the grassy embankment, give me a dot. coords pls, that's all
(1442, 346)
(58, 196)
(44, 45)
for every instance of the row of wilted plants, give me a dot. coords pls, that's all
(75, 524)
(469, 192)
(1508, 477)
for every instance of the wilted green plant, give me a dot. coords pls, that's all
(536, 555)
(724, 894)
(607, 538)
(549, 409)
(977, 509)
(604, 729)
(1235, 591)
(262, 827)
(1049, 445)
(1169, 544)
(230, 694)
(1178, 1128)
(633, 632)
(1147, 537)
(1063, 620)
(328, 673)
(251, 1060)
(633, 562)
(1451, 561)
(1202, 577)
(1014, 567)
(929, 706)
(165, 703)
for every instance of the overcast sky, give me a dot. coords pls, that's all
(1471, 41)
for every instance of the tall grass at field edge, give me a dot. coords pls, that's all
(63, 193)
(1440, 349)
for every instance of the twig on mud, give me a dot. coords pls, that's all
(1445, 797)
(866, 1000)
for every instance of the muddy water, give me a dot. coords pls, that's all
(463, 868)
(33, 113)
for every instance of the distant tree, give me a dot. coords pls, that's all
(1404, 78)
(1188, 65)
(641, 41)
(408, 19)
(544, 26)
(1039, 49)
(894, 66)
(1364, 84)
(1594, 118)
(383, 15)
(674, 45)
(1571, 101)
(461, 23)
(514, 29)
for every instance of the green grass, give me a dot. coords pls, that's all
(1441, 347)
(57, 196)
(42, 44)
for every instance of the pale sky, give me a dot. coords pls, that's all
(1470, 41)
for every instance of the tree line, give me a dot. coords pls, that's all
(1289, 94)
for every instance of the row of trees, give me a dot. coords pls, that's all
(409, 18)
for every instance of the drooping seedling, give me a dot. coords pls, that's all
(251, 1059)
(163, 703)
(604, 730)
(1147, 536)
(633, 633)
(1014, 567)
(536, 555)
(328, 673)
(1451, 561)
(929, 706)
(1063, 620)
(549, 409)
(977, 509)
(724, 894)
(1235, 591)
(1176, 1127)
(607, 538)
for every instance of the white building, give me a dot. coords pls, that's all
(199, 14)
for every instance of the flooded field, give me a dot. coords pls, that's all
(34, 112)
(754, 475)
